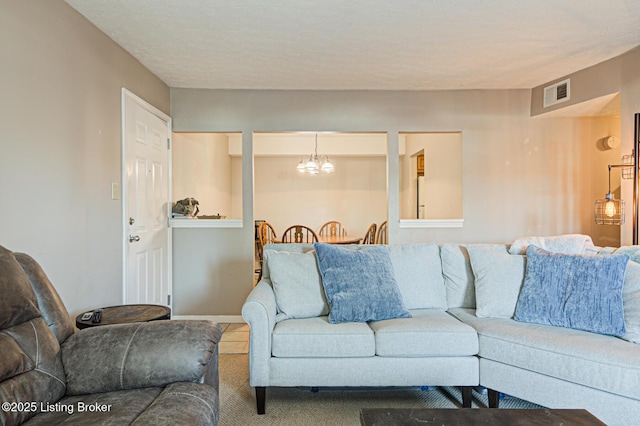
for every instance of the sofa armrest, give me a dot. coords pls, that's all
(259, 311)
(139, 355)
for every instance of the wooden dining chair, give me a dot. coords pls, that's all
(383, 234)
(332, 228)
(266, 235)
(370, 236)
(299, 234)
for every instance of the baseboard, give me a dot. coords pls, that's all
(215, 318)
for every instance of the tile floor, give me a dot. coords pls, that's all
(235, 338)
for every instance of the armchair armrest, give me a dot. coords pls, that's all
(259, 311)
(138, 355)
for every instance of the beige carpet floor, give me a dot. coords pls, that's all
(301, 407)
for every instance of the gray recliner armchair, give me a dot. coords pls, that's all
(152, 373)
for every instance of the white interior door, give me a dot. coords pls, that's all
(146, 212)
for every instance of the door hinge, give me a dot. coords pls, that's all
(168, 143)
(168, 300)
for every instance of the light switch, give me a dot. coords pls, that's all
(115, 191)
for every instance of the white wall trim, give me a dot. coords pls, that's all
(206, 223)
(431, 223)
(214, 318)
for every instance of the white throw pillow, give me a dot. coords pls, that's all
(290, 247)
(631, 302)
(458, 276)
(297, 284)
(565, 244)
(498, 280)
(418, 271)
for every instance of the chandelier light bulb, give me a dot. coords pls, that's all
(312, 165)
(301, 166)
(610, 208)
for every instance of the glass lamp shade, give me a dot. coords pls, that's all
(327, 166)
(609, 211)
(311, 165)
(301, 166)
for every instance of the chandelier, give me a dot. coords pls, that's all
(315, 163)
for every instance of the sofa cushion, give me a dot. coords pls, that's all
(418, 272)
(359, 283)
(595, 360)
(183, 403)
(429, 332)
(575, 291)
(177, 404)
(30, 365)
(631, 302)
(565, 244)
(632, 251)
(123, 408)
(18, 302)
(458, 275)
(498, 279)
(297, 284)
(49, 302)
(288, 247)
(316, 337)
(139, 353)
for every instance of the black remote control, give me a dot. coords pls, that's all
(97, 315)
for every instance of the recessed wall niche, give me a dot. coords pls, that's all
(207, 168)
(431, 176)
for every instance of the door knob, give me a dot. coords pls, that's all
(133, 238)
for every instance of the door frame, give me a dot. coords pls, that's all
(128, 95)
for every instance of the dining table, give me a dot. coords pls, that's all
(339, 239)
(332, 239)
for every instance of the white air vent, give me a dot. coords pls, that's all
(556, 93)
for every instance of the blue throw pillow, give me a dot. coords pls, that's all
(574, 291)
(359, 283)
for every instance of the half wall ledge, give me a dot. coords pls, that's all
(431, 223)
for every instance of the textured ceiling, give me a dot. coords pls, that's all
(366, 44)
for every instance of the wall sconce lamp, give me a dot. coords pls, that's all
(609, 211)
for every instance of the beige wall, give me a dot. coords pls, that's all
(61, 145)
(521, 175)
(618, 75)
(587, 84)
(524, 169)
(630, 99)
(602, 127)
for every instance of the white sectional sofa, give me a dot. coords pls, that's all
(555, 367)
(458, 344)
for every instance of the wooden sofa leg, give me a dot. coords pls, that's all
(261, 396)
(494, 398)
(466, 396)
